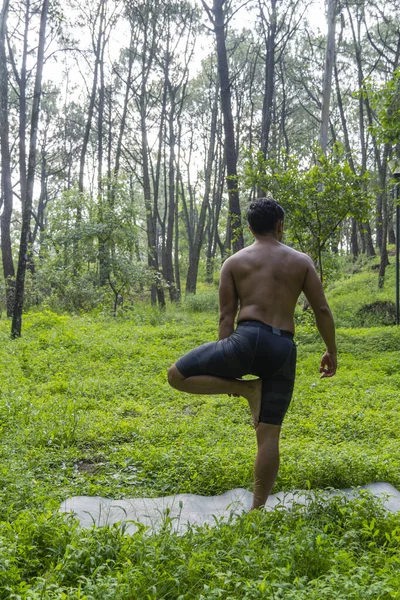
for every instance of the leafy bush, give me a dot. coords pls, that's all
(377, 313)
(333, 548)
(358, 288)
(202, 302)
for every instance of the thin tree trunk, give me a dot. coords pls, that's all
(269, 82)
(26, 217)
(104, 270)
(39, 218)
(22, 80)
(210, 240)
(109, 103)
(362, 103)
(355, 250)
(157, 293)
(85, 141)
(391, 235)
(169, 273)
(6, 182)
(283, 112)
(92, 100)
(191, 280)
(329, 59)
(118, 150)
(217, 17)
(369, 244)
(383, 196)
(354, 247)
(176, 248)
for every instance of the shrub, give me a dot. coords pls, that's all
(202, 302)
(380, 312)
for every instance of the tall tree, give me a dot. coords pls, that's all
(196, 233)
(6, 201)
(327, 87)
(27, 201)
(364, 228)
(179, 25)
(146, 16)
(279, 22)
(219, 19)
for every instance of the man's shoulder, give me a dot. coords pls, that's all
(238, 256)
(297, 255)
(249, 252)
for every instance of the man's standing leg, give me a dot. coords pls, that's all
(267, 462)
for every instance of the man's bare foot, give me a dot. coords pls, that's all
(253, 397)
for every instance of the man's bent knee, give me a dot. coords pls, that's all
(175, 377)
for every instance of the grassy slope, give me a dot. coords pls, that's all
(358, 287)
(85, 409)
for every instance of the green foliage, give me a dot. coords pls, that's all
(85, 409)
(56, 287)
(317, 200)
(206, 301)
(386, 100)
(90, 254)
(333, 548)
(357, 289)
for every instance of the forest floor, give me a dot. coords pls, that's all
(85, 409)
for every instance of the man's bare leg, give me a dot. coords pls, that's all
(267, 462)
(208, 384)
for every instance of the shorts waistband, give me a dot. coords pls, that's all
(274, 330)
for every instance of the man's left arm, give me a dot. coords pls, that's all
(228, 302)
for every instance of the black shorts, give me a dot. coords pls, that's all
(254, 348)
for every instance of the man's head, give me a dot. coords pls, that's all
(265, 215)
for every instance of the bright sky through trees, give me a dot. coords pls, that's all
(134, 157)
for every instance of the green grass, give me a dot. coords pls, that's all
(357, 287)
(85, 409)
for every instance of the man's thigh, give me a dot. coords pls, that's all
(276, 396)
(220, 359)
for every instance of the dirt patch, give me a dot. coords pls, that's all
(130, 413)
(85, 466)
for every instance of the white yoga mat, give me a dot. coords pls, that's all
(184, 509)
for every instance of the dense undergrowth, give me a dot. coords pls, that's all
(355, 297)
(85, 409)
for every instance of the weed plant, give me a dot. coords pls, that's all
(85, 409)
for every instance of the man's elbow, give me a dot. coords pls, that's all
(226, 317)
(322, 311)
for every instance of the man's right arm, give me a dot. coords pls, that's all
(314, 293)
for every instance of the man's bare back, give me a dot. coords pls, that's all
(268, 278)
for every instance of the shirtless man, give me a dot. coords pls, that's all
(265, 280)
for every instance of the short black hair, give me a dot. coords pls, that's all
(263, 215)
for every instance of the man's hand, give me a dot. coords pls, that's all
(328, 364)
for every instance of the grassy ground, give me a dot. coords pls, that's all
(85, 408)
(358, 287)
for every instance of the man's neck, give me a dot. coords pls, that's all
(267, 238)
